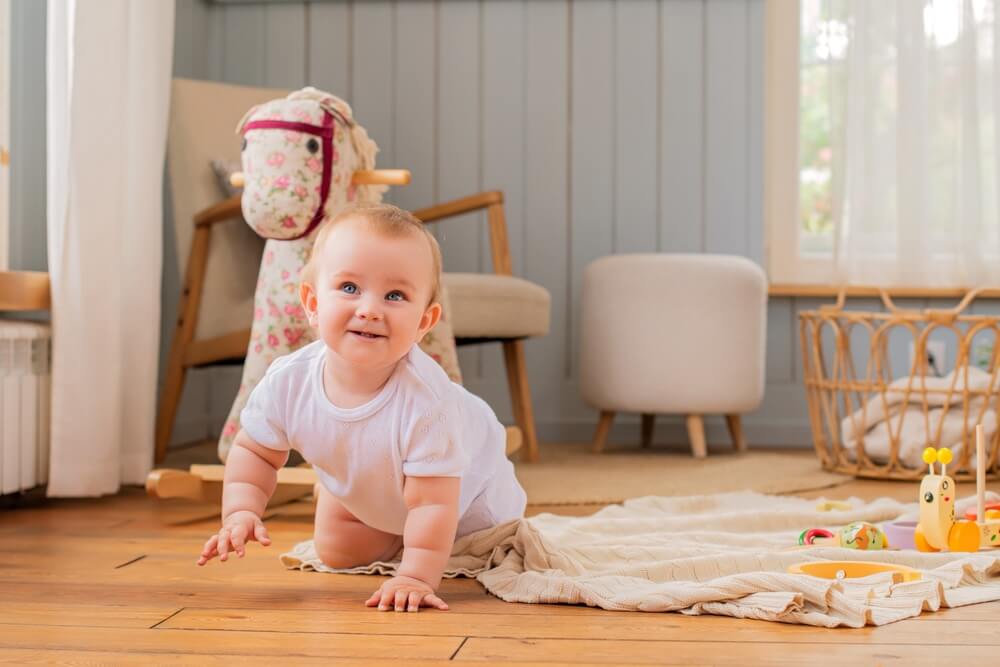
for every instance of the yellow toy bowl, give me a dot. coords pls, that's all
(853, 569)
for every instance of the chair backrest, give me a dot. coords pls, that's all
(203, 118)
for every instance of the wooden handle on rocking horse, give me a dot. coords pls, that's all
(360, 177)
(381, 177)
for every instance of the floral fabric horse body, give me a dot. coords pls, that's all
(299, 155)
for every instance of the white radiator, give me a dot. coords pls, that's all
(24, 405)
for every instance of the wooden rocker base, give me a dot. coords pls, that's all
(204, 482)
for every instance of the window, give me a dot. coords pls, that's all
(804, 44)
(881, 142)
(781, 197)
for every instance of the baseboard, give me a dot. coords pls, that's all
(670, 430)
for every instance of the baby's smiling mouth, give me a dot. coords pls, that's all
(366, 334)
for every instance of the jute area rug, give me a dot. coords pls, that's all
(569, 474)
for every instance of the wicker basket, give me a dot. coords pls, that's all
(837, 344)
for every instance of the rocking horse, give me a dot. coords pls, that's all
(304, 158)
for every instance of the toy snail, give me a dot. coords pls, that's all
(938, 529)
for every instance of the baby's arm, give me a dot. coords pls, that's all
(429, 532)
(428, 536)
(250, 478)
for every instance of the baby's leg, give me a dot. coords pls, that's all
(342, 541)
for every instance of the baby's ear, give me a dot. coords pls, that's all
(307, 294)
(431, 317)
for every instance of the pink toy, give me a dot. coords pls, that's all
(900, 534)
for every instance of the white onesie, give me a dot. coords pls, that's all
(421, 424)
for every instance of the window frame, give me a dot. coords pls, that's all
(786, 265)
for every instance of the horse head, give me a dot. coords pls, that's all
(299, 154)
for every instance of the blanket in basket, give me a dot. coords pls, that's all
(900, 414)
(723, 554)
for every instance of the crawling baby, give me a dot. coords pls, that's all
(405, 457)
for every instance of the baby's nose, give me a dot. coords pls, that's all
(367, 311)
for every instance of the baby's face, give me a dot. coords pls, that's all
(370, 300)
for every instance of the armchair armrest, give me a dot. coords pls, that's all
(492, 201)
(224, 210)
(459, 206)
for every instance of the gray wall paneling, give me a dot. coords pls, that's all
(592, 156)
(244, 44)
(754, 168)
(27, 137)
(611, 127)
(636, 126)
(503, 65)
(285, 42)
(546, 198)
(414, 102)
(682, 127)
(726, 128)
(373, 51)
(458, 131)
(330, 39)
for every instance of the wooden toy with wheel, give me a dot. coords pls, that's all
(938, 529)
(204, 482)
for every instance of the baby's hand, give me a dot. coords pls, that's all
(238, 528)
(405, 594)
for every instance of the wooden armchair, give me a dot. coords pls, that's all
(497, 307)
(485, 308)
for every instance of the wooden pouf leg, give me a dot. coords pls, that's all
(736, 432)
(647, 429)
(696, 434)
(603, 426)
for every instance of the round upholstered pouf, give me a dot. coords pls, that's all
(673, 333)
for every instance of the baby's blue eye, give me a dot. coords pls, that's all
(349, 288)
(395, 295)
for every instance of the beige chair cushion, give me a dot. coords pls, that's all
(485, 305)
(203, 118)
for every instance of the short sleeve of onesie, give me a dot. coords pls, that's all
(433, 447)
(263, 418)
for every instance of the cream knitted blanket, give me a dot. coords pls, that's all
(723, 554)
(899, 415)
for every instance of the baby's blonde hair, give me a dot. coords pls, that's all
(385, 219)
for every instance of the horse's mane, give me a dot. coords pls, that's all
(364, 146)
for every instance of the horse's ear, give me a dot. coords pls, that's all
(338, 108)
(246, 116)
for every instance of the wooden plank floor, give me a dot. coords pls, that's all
(114, 581)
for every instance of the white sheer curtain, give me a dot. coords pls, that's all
(915, 132)
(109, 67)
